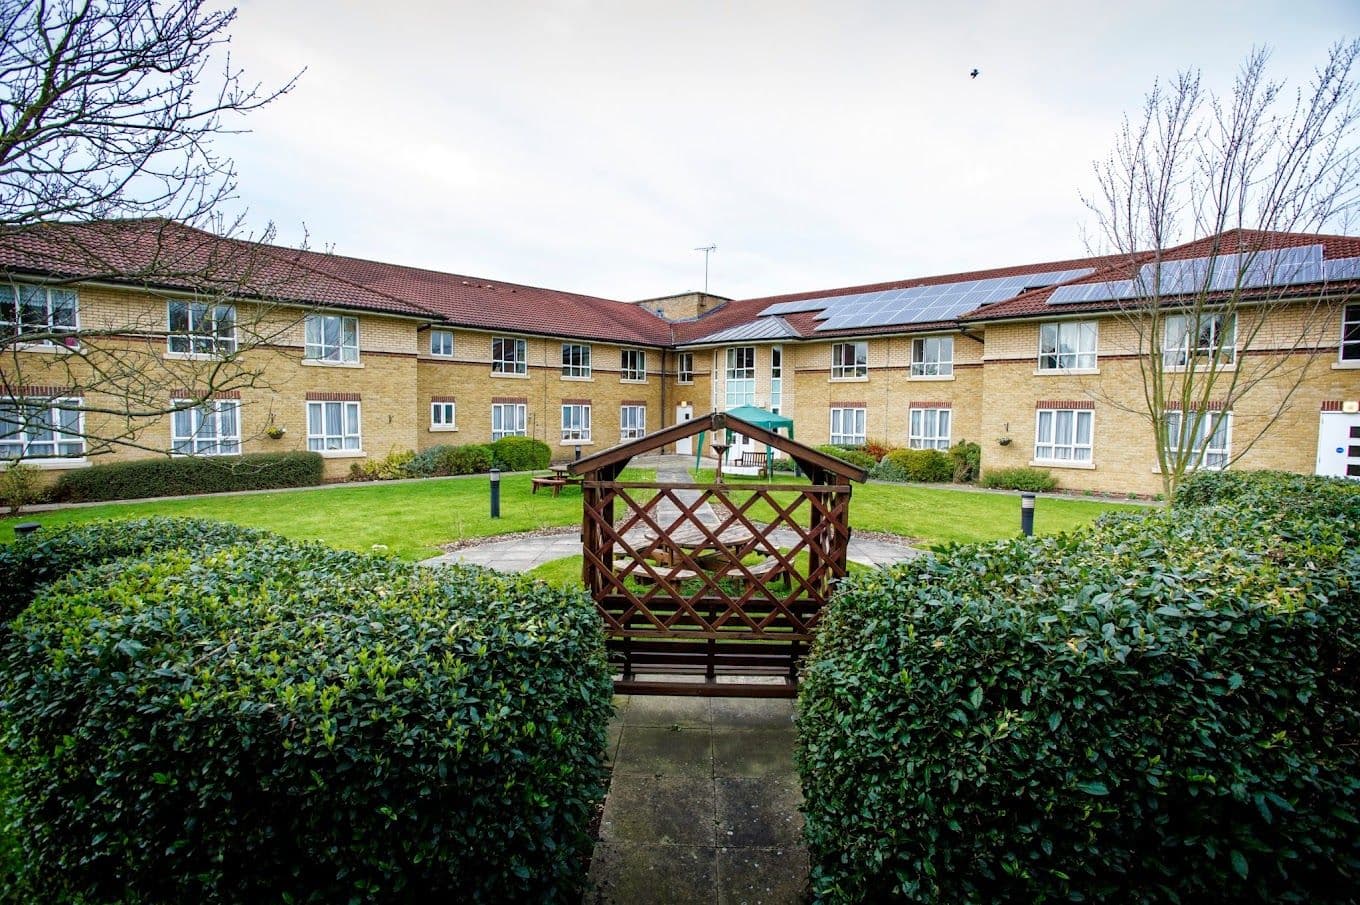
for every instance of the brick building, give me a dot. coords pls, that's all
(1038, 363)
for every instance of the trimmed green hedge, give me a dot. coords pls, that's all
(288, 722)
(1163, 707)
(1021, 477)
(915, 465)
(188, 475)
(853, 456)
(446, 459)
(967, 461)
(521, 453)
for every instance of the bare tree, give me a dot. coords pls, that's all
(1240, 169)
(108, 175)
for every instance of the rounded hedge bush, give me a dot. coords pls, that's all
(917, 465)
(287, 722)
(521, 453)
(853, 456)
(1163, 707)
(1020, 477)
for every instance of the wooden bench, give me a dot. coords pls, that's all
(555, 483)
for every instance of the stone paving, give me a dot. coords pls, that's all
(703, 804)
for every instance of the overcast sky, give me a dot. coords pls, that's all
(591, 146)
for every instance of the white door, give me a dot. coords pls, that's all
(1339, 445)
(684, 413)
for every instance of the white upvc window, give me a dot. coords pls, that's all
(507, 420)
(575, 423)
(1067, 346)
(741, 376)
(1205, 335)
(932, 356)
(28, 309)
(633, 365)
(443, 416)
(632, 422)
(575, 360)
(332, 338)
(684, 367)
(200, 328)
(1208, 436)
(847, 427)
(1063, 435)
(929, 428)
(508, 356)
(211, 428)
(41, 429)
(776, 378)
(849, 360)
(1350, 333)
(333, 426)
(441, 343)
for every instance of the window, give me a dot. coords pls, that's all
(201, 329)
(1063, 435)
(29, 309)
(331, 337)
(575, 423)
(684, 368)
(507, 420)
(847, 427)
(42, 429)
(632, 422)
(741, 376)
(575, 360)
(1067, 346)
(634, 366)
(441, 343)
(210, 429)
(776, 378)
(849, 360)
(332, 426)
(929, 429)
(1206, 435)
(443, 416)
(932, 356)
(508, 357)
(1199, 336)
(1350, 333)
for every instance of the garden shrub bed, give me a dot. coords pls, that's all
(849, 454)
(184, 475)
(288, 722)
(1020, 477)
(1162, 707)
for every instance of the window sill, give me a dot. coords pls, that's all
(443, 428)
(931, 377)
(576, 443)
(175, 455)
(46, 348)
(578, 379)
(864, 379)
(504, 375)
(434, 357)
(632, 380)
(1063, 463)
(320, 363)
(1346, 365)
(342, 453)
(684, 383)
(51, 464)
(1066, 372)
(198, 356)
(1199, 369)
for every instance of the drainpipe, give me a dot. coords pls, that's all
(664, 407)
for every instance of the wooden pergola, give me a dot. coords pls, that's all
(712, 589)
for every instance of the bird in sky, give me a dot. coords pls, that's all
(973, 74)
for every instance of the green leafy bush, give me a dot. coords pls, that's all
(187, 475)
(1035, 480)
(521, 453)
(929, 465)
(388, 468)
(20, 486)
(288, 722)
(967, 459)
(1162, 707)
(846, 454)
(445, 459)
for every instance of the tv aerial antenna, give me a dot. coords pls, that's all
(707, 250)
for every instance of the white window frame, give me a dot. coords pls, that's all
(1059, 446)
(1177, 355)
(1067, 346)
(1350, 327)
(932, 356)
(633, 365)
(516, 412)
(740, 385)
(856, 434)
(437, 348)
(59, 413)
(854, 366)
(578, 369)
(684, 367)
(335, 438)
(1208, 455)
(12, 310)
(776, 379)
(443, 416)
(198, 429)
(575, 422)
(195, 340)
(515, 363)
(632, 422)
(924, 429)
(316, 349)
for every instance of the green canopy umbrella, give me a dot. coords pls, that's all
(760, 418)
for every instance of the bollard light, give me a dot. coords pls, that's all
(495, 493)
(1027, 514)
(24, 528)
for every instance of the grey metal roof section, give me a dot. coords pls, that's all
(760, 328)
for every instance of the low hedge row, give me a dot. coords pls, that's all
(521, 453)
(1020, 477)
(287, 722)
(187, 475)
(915, 465)
(509, 453)
(1163, 707)
(849, 454)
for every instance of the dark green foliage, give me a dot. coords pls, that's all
(920, 465)
(188, 474)
(287, 722)
(521, 453)
(444, 460)
(1035, 480)
(1162, 707)
(32, 561)
(967, 459)
(847, 454)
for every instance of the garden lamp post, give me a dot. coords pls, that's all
(1027, 514)
(495, 493)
